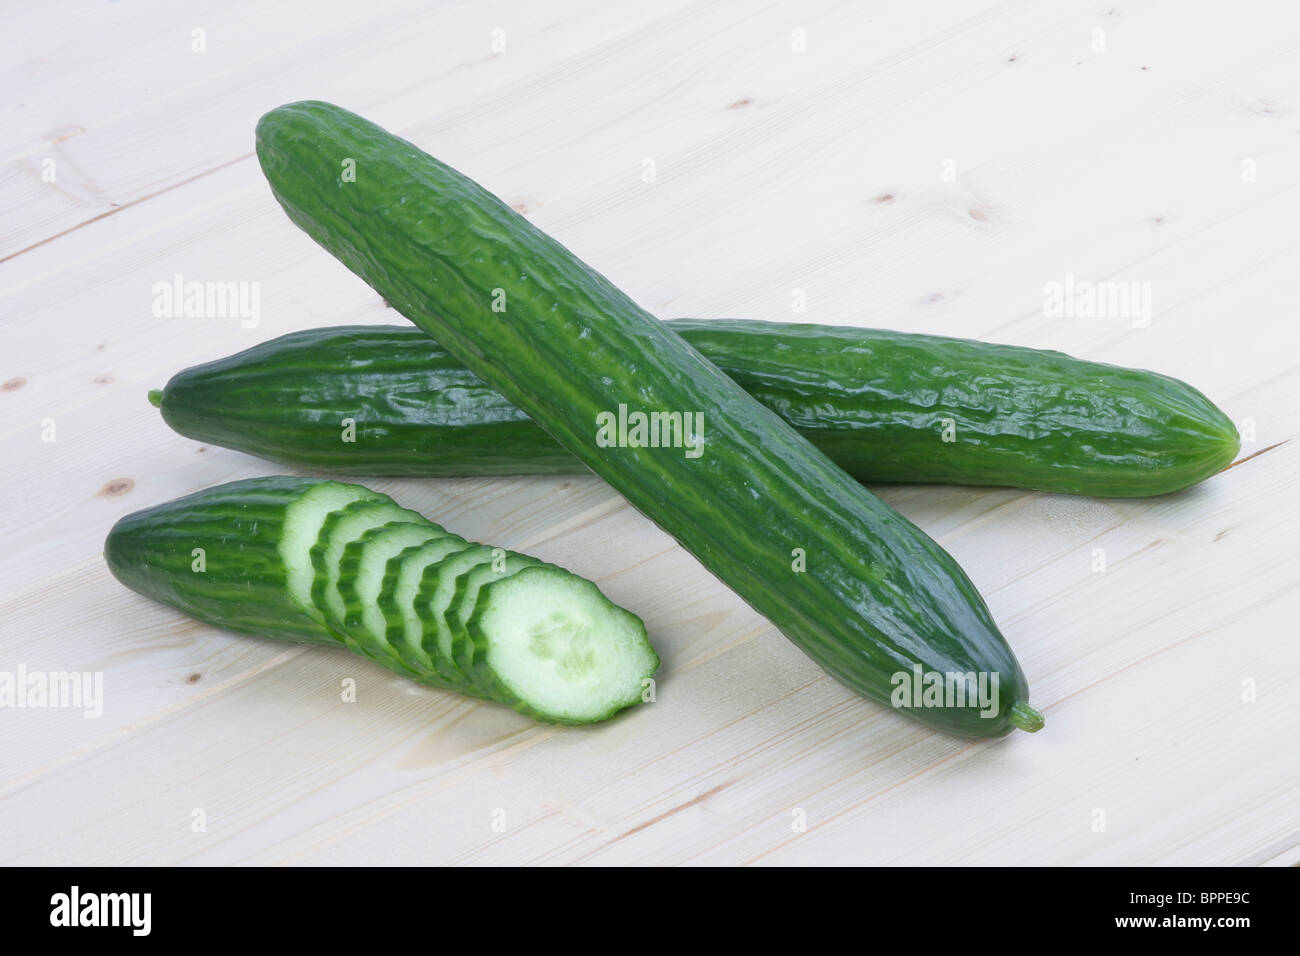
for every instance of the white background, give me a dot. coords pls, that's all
(1146, 142)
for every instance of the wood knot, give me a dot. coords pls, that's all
(117, 487)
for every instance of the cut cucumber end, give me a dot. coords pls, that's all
(155, 397)
(1025, 717)
(350, 525)
(302, 524)
(561, 648)
(362, 571)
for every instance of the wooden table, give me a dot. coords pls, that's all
(929, 167)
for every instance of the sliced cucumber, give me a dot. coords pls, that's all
(437, 588)
(256, 533)
(361, 578)
(303, 520)
(397, 599)
(340, 528)
(465, 598)
(558, 648)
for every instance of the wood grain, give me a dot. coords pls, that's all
(924, 167)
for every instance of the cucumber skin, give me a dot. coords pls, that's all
(877, 597)
(874, 401)
(353, 626)
(244, 587)
(238, 525)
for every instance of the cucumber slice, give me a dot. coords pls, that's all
(340, 528)
(303, 520)
(465, 598)
(437, 588)
(557, 648)
(397, 598)
(361, 578)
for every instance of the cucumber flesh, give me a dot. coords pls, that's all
(397, 598)
(558, 648)
(465, 599)
(361, 579)
(339, 529)
(437, 588)
(303, 521)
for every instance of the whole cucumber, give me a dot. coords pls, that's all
(885, 406)
(854, 584)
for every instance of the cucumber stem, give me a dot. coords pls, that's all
(155, 397)
(1025, 717)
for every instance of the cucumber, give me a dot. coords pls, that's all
(237, 556)
(544, 633)
(856, 586)
(437, 590)
(305, 517)
(340, 528)
(361, 577)
(878, 403)
(397, 599)
(464, 602)
(233, 555)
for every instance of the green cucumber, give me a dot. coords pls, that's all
(305, 518)
(237, 556)
(339, 529)
(544, 632)
(856, 586)
(880, 404)
(397, 598)
(361, 579)
(464, 603)
(437, 590)
(233, 555)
